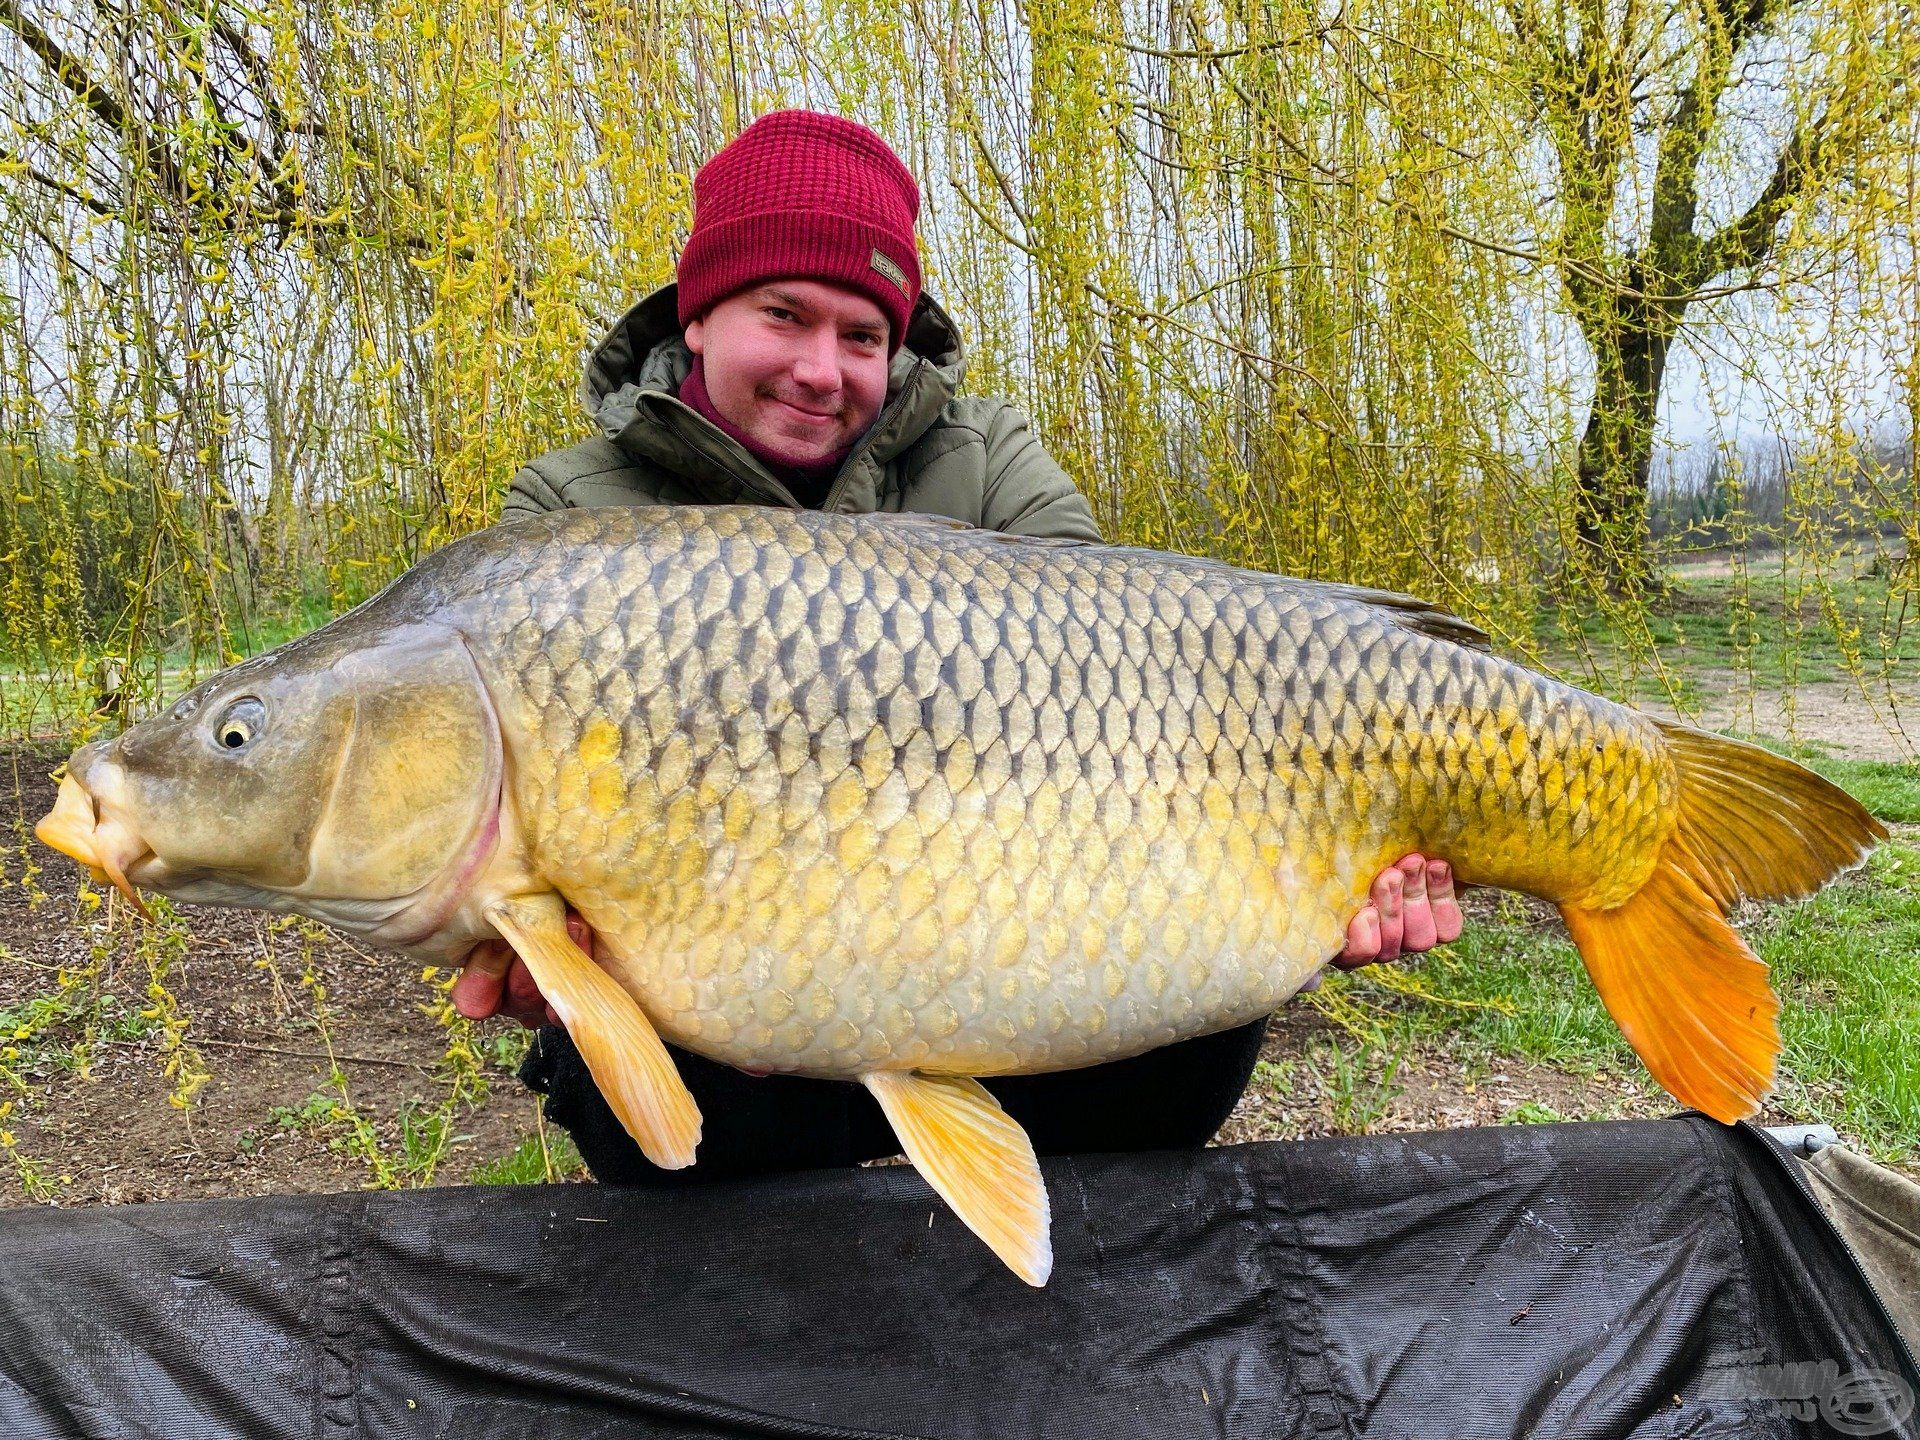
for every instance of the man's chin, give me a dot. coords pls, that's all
(796, 440)
(797, 450)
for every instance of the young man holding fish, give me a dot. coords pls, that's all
(796, 364)
(899, 804)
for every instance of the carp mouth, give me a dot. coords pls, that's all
(81, 827)
(112, 851)
(86, 827)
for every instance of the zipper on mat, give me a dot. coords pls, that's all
(1785, 1161)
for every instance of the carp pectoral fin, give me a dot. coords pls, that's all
(623, 1052)
(977, 1157)
(1689, 996)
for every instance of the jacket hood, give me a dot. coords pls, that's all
(634, 373)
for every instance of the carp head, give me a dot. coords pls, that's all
(357, 783)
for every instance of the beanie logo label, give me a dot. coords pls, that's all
(884, 263)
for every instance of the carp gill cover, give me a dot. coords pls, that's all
(906, 803)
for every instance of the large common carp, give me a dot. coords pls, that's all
(904, 802)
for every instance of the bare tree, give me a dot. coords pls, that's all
(1644, 108)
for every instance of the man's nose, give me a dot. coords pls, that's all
(817, 366)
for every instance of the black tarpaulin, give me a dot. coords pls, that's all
(1640, 1279)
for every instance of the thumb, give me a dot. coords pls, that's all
(482, 981)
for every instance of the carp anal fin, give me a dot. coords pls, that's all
(1690, 997)
(977, 1158)
(624, 1053)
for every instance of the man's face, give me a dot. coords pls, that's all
(799, 365)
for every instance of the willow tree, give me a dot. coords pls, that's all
(1693, 143)
(289, 289)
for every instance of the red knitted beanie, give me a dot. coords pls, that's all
(804, 196)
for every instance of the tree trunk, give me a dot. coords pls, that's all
(1629, 346)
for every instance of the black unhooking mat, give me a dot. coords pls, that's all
(1666, 1279)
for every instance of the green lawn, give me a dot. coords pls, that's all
(1784, 628)
(39, 702)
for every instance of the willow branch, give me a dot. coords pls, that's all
(96, 97)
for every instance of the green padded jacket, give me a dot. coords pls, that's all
(930, 451)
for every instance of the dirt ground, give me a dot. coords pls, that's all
(1836, 715)
(112, 1136)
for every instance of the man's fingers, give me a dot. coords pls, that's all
(478, 989)
(1363, 940)
(1447, 920)
(1388, 891)
(1416, 911)
(1411, 908)
(523, 1001)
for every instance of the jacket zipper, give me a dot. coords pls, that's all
(892, 407)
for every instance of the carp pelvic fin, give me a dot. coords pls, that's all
(1690, 997)
(977, 1157)
(623, 1052)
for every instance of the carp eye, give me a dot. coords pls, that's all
(240, 724)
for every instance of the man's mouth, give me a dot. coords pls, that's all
(109, 848)
(805, 415)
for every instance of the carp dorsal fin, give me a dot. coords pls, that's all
(1003, 537)
(1423, 617)
(624, 1053)
(922, 518)
(977, 1158)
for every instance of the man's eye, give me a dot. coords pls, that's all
(864, 337)
(779, 314)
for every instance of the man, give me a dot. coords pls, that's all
(796, 363)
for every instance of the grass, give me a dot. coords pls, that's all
(1890, 789)
(540, 1159)
(1847, 966)
(1782, 630)
(38, 698)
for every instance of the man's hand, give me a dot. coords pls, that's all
(1413, 909)
(495, 981)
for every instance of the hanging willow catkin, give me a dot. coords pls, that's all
(289, 291)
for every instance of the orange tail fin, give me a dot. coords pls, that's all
(1690, 997)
